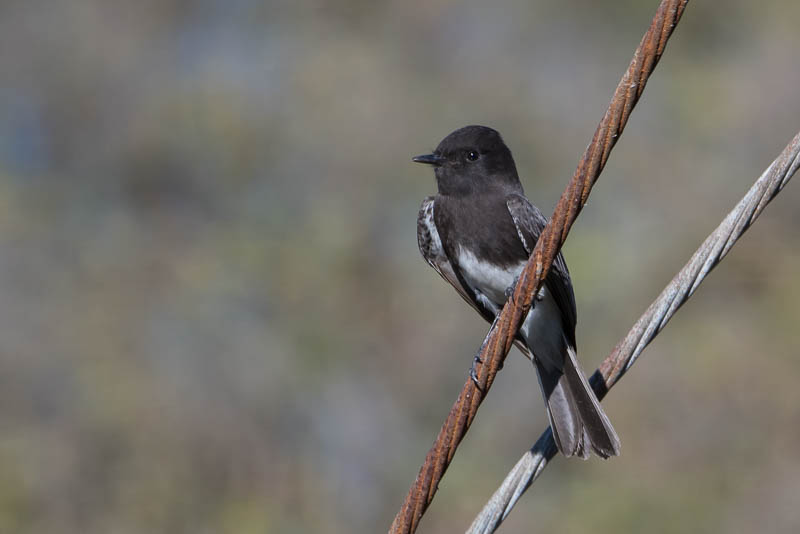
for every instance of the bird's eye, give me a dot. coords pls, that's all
(472, 155)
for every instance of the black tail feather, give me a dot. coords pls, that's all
(578, 421)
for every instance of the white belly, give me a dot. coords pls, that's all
(489, 279)
(542, 328)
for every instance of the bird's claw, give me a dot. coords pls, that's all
(509, 292)
(473, 373)
(510, 289)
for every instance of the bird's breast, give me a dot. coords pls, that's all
(489, 278)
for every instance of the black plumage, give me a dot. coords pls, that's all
(477, 233)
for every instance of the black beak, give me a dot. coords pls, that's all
(430, 159)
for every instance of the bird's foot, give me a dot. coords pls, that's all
(510, 289)
(509, 292)
(473, 372)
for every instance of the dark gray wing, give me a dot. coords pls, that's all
(430, 246)
(530, 222)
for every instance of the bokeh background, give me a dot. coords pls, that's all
(215, 318)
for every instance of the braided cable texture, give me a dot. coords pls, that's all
(500, 338)
(658, 314)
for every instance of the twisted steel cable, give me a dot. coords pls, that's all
(627, 351)
(500, 338)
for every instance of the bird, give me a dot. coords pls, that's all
(478, 233)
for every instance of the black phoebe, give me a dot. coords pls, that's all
(477, 233)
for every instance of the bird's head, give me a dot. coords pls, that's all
(473, 159)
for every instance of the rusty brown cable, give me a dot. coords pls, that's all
(677, 292)
(501, 336)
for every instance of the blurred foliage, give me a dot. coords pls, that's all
(215, 318)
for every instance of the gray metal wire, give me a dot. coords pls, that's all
(627, 351)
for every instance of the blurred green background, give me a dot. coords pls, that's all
(215, 318)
